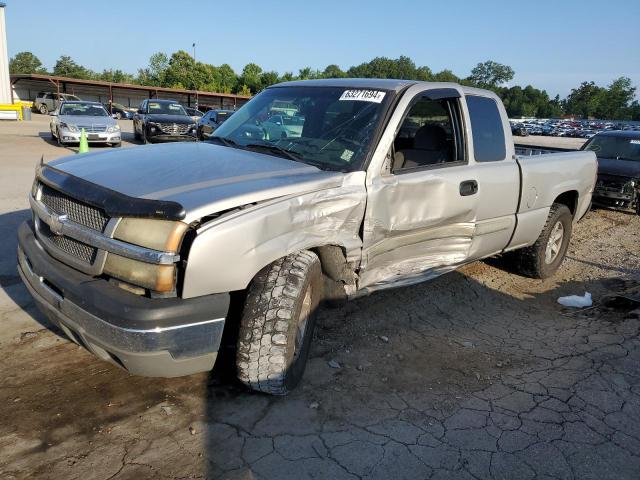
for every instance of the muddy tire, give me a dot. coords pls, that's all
(543, 258)
(277, 323)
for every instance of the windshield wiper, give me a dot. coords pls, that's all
(227, 142)
(283, 152)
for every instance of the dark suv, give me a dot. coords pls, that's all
(618, 184)
(162, 121)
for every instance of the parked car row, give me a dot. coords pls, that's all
(566, 128)
(154, 120)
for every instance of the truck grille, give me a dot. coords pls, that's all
(68, 245)
(174, 128)
(77, 211)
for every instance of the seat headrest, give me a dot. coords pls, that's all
(430, 137)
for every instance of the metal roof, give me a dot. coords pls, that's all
(370, 83)
(128, 86)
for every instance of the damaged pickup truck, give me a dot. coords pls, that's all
(136, 253)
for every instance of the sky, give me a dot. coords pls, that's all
(553, 45)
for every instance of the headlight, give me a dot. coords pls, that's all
(113, 128)
(628, 187)
(162, 235)
(68, 126)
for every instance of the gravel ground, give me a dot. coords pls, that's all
(477, 374)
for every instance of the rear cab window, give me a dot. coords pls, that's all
(486, 129)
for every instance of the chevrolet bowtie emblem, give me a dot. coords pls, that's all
(57, 223)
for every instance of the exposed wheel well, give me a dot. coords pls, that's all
(570, 199)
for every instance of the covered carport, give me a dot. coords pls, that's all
(25, 87)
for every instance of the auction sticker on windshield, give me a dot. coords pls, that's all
(363, 95)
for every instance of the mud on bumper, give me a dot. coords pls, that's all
(151, 337)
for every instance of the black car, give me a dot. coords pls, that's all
(194, 113)
(118, 111)
(618, 184)
(210, 121)
(519, 130)
(162, 121)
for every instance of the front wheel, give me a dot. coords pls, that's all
(543, 258)
(43, 109)
(277, 323)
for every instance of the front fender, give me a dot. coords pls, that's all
(228, 252)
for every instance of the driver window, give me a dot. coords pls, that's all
(429, 135)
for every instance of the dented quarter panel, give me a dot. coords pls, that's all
(228, 252)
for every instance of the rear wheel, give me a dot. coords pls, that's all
(43, 109)
(543, 258)
(278, 322)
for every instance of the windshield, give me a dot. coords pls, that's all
(621, 148)
(162, 108)
(83, 109)
(329, 127)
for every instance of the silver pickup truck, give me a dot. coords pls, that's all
(141, 255)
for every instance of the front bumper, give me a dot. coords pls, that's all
(67, 136)
(614, 198)
(152, 337)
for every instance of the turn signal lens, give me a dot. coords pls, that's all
(161, 278)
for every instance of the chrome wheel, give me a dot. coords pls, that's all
(554, 244)
(305, 312)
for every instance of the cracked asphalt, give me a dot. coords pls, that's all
(478, 374)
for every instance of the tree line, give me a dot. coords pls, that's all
(180, 70)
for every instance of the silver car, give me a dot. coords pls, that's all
(68, 122)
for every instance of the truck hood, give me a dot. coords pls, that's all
(622, 168)
(204, 178)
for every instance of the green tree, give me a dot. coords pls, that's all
(268, 78)
(491, 74)
(67, 67)
(617, 100)
(445, 76)
(251, 77)
(244, 90)
(383, 67)
(227, 78)
(585, 100)
(333, 71)
(115, 76)
(182, 69)
(26, 62)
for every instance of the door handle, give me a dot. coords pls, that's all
(468, 187)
